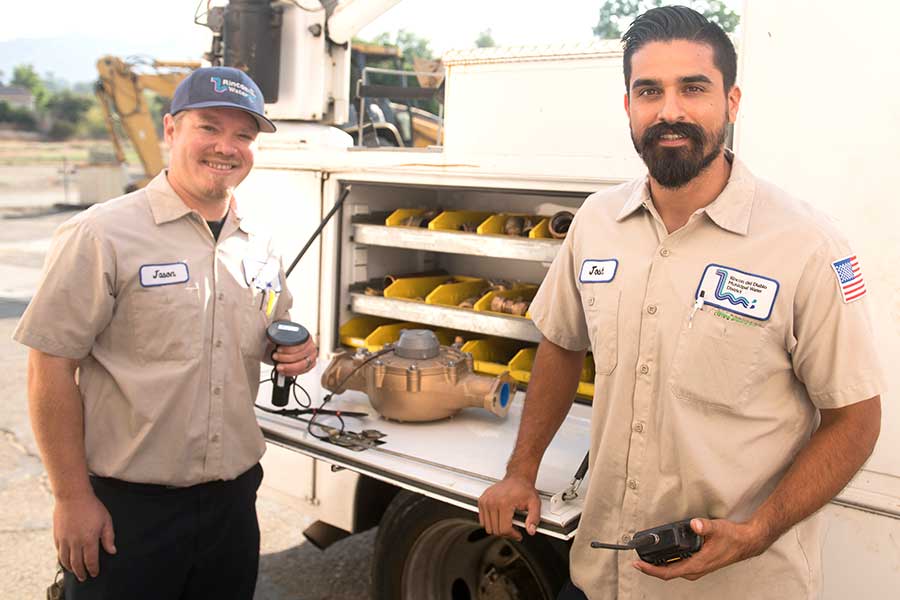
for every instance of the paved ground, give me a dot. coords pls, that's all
(290, 568)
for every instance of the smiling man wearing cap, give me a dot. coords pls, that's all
(146, 335)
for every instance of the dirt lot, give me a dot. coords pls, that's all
(42, 173)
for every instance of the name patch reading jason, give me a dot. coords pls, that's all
(164, 274)
(598, 271)
(738, 292)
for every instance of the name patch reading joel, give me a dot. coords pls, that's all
(738, 292)
(598, 271)
(164, 274)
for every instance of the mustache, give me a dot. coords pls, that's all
(688, 130)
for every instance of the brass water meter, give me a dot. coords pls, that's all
(417, 379)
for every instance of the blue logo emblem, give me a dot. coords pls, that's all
(721, 294)
(217, 85)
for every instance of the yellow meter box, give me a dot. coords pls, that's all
(522, 363)
(492, 355)
(496, 225)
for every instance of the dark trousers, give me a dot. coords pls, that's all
(189, 543)
(570, 592)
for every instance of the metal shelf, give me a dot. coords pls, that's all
(445, 316)
(455, 242)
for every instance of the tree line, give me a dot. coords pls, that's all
(59, 112)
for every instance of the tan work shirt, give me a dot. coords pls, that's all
(699, 409)
(169, 333)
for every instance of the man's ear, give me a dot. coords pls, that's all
(734, 103)
(627, 102)
(168, 128)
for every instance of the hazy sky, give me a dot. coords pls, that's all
(448, 24)
(164, 29)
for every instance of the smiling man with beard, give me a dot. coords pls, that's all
(737, 381)
(146, 336)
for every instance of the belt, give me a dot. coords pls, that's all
(159, 489)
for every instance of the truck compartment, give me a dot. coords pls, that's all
(424, 271)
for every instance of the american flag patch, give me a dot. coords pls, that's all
(850, 278)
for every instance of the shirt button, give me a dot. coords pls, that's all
(651, 309)
(218, 343)
(591, 301)
(220, 296)
(632, 484)
(639, 427)
(626, 538)
(217, 391)
(664, 252)
(645, 369)
(215, 437)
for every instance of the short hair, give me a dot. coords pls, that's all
(668, 23)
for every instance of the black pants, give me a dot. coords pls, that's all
(177, 543)
(570, 592)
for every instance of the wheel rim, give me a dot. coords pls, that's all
(455, 559)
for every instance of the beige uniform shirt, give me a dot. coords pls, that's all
(699, 413)
(168, 331)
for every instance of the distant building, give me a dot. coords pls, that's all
(17, 97)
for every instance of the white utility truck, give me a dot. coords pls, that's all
(533, 131)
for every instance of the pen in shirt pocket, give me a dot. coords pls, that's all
(272, 298)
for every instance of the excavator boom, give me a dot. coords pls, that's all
(120, 91)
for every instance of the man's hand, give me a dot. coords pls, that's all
(296, 360)
(499, 502)
(79, 526)
(725, 542)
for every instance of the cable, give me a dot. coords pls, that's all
(334, 209)
(309, 10)
(638, 542)
(372, 356)
(197, 14)
(306, 409)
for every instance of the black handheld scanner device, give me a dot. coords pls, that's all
(284, 333)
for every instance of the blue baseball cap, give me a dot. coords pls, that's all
(221, 87)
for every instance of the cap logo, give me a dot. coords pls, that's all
(221, 86)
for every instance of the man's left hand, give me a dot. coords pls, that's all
(295, 360)
(725, 542)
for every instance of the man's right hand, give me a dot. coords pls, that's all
(499, 503)
(80, 524)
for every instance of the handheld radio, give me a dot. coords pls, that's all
(661, 545)
(284, 333)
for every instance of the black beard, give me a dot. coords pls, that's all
(674, 168)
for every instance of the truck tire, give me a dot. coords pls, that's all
(428, 550)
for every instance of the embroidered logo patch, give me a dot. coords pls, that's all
(598, 271)
(220, 86)
(850, 278)
(164, 274)
(738, 292)
(262, 274)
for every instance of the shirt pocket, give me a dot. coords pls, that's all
(253, 321)
(166, 323)
(715, 360)
(601, 314)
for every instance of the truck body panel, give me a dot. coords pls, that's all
(537, 130)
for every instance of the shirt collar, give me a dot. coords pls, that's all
(730, 210)
(166, 205)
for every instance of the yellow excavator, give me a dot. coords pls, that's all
(120, 91)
